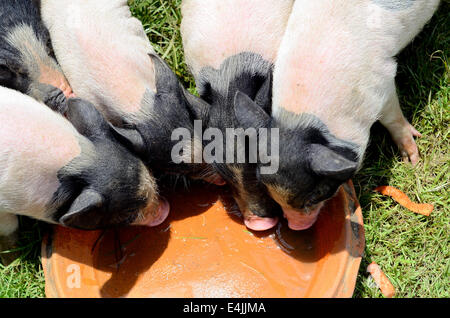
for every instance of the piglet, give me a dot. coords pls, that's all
(77, 175)
(230, 47)
(334, 77)
(109, 61)
(27, 63)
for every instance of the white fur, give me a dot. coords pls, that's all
(336, 61)
(214, 30)
(103, 51)
(35, 143)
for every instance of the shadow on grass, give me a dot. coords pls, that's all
(421, 70)
(30, 238)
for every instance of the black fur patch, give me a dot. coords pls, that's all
(114, 175)
(250, 74)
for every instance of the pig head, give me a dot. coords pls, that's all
(77, 175)
(109, 61)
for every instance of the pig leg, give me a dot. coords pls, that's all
(9, 226)
(52, 96)
(401, 130)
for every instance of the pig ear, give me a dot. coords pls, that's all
(131, 138)
(326, 162)
(166, 80)
(248, 113)
(197, 106)
(81, 212)
(264, 96)
(85, 117)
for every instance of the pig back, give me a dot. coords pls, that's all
(35, 143)
(335, 60)
(104, 53)
(397, 22)
(214, 30)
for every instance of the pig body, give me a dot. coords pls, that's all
(334, 77)
(52, 172)
(214, 31)
(109, 61)
(26, 61)
(230, 47)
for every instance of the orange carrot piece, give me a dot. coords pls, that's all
(402, 199)
(383, 283)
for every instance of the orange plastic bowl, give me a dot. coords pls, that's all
(204, 250)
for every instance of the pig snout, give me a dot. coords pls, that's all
(155, 216)
(302, 219)
(257, 223)
(257, 217)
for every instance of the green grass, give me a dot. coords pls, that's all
(24, 277)
(413, 250)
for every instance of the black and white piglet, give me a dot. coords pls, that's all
(230, 47)
(27, 63)
(108, 59)
(334, 77)
(76, 175)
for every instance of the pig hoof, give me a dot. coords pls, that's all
(57, 101)
(414, 132)
(408, 147)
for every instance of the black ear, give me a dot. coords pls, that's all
(197, 106)
(166, 80)
(82, 213)
(264, 96)
(85, 117)
(326, 162)
(248, 113)
(130, 138)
